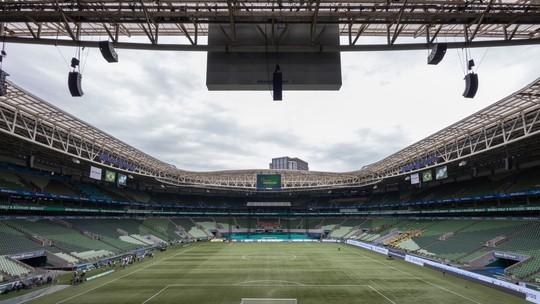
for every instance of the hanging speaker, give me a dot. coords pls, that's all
(108, 52)
(437, 53)
(471, 85)
(277, 84)
(3, 83)
(74, 84)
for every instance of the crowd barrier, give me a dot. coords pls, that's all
(531, 295)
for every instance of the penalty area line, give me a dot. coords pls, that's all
(417, 278)
(267, 285)
(156, 294)
(382, 295)
(123, 276)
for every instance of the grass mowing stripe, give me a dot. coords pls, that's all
(267, 285)
(156, 294)
(416, 278)
(322, 276)
(123, 276)
(374, 289)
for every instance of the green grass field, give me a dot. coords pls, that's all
(312, 273)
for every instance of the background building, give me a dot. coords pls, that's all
(288, 163)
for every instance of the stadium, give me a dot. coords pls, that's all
(86, 217)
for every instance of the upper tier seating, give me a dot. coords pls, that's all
(61, 188)
(11, 181)
(92, 191)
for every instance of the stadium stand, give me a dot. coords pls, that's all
(13, 241)
(470, 238)
(64, 238)
(193, 229)
(92, 191)
(459, 220)
(13, 268)
(11, 181)
(166, 228)
(104, 230)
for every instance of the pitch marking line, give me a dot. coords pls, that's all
(242, 284)
(156, 294)
(382, 295)
(417, 278)
(123, 276)
(278, 281)
(266, 285)
(249, 257)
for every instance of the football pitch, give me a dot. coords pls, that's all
(310, 273)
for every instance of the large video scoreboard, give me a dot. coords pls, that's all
(268, 182)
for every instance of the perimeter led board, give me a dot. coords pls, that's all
(268, 182)
(252, 71)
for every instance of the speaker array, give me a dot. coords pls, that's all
(471, 85)
(3, 83)
(437, 53)
(74, 84)
(277, 84)
(107, 51)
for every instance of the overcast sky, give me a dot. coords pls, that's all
(158, 103)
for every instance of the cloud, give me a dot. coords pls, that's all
(367, 146)
(158, 102)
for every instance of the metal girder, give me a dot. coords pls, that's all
(478, 23)
(273, 48)
(509, 120)
(502, 19)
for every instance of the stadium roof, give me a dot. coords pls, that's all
(509, 120)
(79, 23)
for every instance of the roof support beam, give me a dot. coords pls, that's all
(287, 48)
(230, 6)
(480, 20)
(314, 21)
